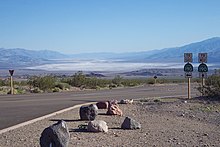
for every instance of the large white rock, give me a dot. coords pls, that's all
(97, 126)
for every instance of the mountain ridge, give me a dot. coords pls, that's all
(19, 57)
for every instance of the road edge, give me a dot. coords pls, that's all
(42, 117)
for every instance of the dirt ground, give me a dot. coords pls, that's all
(164, 122)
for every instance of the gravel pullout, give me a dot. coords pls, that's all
(162, 124)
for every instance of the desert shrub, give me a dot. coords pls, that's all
(3, 82)
(77, 80)
(63, 86)
(117, 80)
(150, 81)
(132, 82)
(43, 83)
(20, 90)
(36, 90)
(56, 89)
(91, 83)
(112, 86)
(212, 87)
(103, 82)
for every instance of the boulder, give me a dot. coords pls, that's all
(93, 106)
(88, 112)
(97, 126)
(130, 123)
(114, 110)
(56, 135)
(102, 105)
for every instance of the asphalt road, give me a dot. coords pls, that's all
(15, 109)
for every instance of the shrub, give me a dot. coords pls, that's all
(117, 80)
(56, 89)
(212, 87)
(43, 83)
(150, 81)
(78, 79)
(63, 86)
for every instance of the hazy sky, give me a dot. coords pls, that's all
(76, 26)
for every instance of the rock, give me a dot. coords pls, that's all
(102, 105)
(93, 106)
(88, 112)
(130, 123)
(97, 126)
(113, 102)
(182, 114)
(56, 135)
(126, 101)
(114, 110)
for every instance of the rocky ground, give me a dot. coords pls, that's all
(164, 122)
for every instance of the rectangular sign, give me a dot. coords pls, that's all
(203, 74)
(188, 74)
(188, 57)
(202, 57)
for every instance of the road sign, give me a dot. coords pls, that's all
(203, 74)
(11, 72)
(188, 67)
(188, 74)
(188, 57)
(202, 57)
(155, 77)
(203, 68)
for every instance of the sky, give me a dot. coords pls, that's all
(85, 26)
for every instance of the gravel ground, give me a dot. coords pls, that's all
(169, 122)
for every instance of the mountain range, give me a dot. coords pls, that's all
(12, 58)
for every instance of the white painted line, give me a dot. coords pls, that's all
(42, 117)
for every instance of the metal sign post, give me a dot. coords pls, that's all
(188, 68)
(11, 80)
(189, 92)
(155, 79)
(203, 69)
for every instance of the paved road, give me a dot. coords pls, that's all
(16, 109)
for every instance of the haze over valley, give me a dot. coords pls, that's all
(168, 58)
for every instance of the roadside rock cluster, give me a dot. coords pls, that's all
(58, 134)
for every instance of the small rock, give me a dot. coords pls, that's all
(102, 105)
(130, 123)
(205, 134)
(126, 101)
(192, 116)
(114, 110)
(97, 126)
(185, 102)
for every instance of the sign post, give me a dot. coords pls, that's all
(188, 68)
(155, 79)
(11, 80)
(203, 68)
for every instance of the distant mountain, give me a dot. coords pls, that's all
(175, 54)
(12, 58)
(210, 46)
(16, 58)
